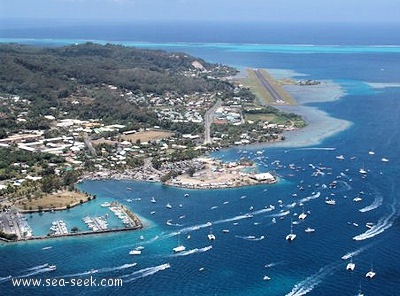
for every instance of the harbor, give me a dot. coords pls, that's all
(115, 217)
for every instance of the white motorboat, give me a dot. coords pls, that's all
(135, 252)
(52, 267)
(179, 248)
(266, 278)
(211, 236)
(340, 157)
(383, 159)
(362, 171)
(153, 200)
(309, 230)
(168, 206)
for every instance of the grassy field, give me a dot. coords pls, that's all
(56, 200)
(252, 82)
(147, 136)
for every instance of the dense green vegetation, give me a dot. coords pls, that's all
(54, 77)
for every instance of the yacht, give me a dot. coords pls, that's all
(309, 230)
(291, 236)
(179, 248)
(350, 266)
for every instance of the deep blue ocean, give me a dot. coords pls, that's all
(367, 70)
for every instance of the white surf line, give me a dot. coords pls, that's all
(308, 284)
(375, 204)
(383, 224)
(145, 272)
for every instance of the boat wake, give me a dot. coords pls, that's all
(144, 272)
(35, 272)
(193, 251)
(356, 252)
(308, 198)
(383, 224)
(375, 204)
(307, 285)
(318, 148)
(251, 237)
(101, 270)
(4, 279)
(37, 267)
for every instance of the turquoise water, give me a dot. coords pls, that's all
(234, 264)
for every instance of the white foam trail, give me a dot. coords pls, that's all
(38, 271)
(37, 267)
(308, 198)
(356, 252)
(383, 224)
(375, 204)
(189, 229)
(285, 213)
(4, 279)
(109, 269)
(193, 251)
(307, 285)
(145, 272)
(251, 237)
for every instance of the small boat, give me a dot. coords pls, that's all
(105, 204)
(52, 267)
(331, 202)
(291, 236)
(383, 159)
(135, 252)
(370, 274)
(186, 195)
(266, 278)
(153, 200)
(350, 266)
(340, 157)
(168, 206)
(362, 171)
(179, 248)
(211, 236)
(371, 153)
(201, 269)
(309, 230)
(152, 212)
(302, 216)
(225, 230)
(357, 199)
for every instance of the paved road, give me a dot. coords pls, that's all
(208, 119)
(277, 98)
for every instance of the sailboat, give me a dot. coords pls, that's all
(291, 236)
(179, 248)
(350, 266)
(153, 200)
